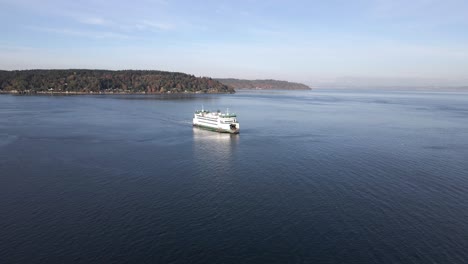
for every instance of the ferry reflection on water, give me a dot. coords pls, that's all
(213, 148)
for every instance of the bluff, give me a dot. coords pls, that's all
(83, 81)
(263, 84)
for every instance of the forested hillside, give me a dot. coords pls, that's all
(104, 81)
(263, 84)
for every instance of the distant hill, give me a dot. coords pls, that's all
(263, 84)
(80, 81)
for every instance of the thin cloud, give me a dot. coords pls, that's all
(94, 21)
(8, 48)
(424, 11)
(145, 24)
(81, 33)
(266, 32)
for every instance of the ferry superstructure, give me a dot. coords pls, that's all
(216, 121)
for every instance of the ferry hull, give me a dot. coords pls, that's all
(217, 129)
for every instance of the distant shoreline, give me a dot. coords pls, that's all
(14, 92)
(269, 84)
(412, 89)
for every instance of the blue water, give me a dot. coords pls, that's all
(323, 176)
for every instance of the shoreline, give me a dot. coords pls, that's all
(102, 93)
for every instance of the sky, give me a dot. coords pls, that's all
(320, 43)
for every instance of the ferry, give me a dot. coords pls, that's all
(216, 121)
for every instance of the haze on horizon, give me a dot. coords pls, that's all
(320, 43)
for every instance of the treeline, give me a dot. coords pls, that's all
(263, 84)
(105, 81)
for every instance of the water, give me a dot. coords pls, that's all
(314, 177)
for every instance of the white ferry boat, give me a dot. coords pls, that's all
(216, 121)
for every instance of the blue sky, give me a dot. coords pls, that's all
(362, 42)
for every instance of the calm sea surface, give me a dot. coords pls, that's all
(323, 176)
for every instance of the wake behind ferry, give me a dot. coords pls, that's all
(216, 121)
